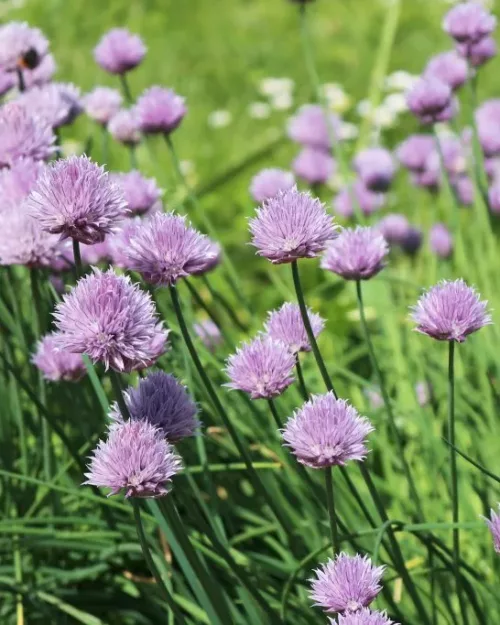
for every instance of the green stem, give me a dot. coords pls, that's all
(126, 88)
(222, 412)
(104, 144)
(77, 259)
(274, 412)
(330, 501)
(387, 401)
(118, 393)
(152, 566)
(133, 157)
(300, 377)
(310, 334)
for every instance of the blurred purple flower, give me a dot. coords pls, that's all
(56, 364)
(124, 127)
(119, 51)
(160, 110)
(309, 127)
(448, 67)
(209, 333)
(412, 241)
(363, 617)
(450, 311)
(441, 241)
(313, 165)
(21, 46)
(290, 226)
(326, 432)
(423, 393)
(58, 104)
(96, 253)
(480, 52)
(414, 152)
(75, 198)
(494, 526)
(23, 135)
(268, 182)
(102, 104)
(286, 325)
(488, 126)
(119, 241)
(374, 397)
(162, 401)
(136, 459)
(165, 248)
(346, 584)
(140, 193)
(262, 368)
(17, 181)
(431, 101)
(494, 198)
(375, 168)
(394, 227)
(41, 74)
(7, 81)
(357, 197)
(469, 22)
(112, 321)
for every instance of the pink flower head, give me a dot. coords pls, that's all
(286, 325)
(375, 168)
(310, 127)
(17, 181)
(469, 22)
(140, 193)
(160, 110)
(112, 321)
(119, 51)
(268, 182)
(135, 459)
(346, 584)
(449, 67)
(58, 104)
(165, 249)
(450, 311)
(363, 617)
(431, 100)
(356, 254)
(21, 46)
(326, 432)
(313, 165)
(124, 127)
(56, 364)
(75, 198)
(441, 241)
(23, 135)
(262, 368)
(290, 226)
(480, 52)
(357, 197)
(393, 227)
(414, 152)
(102, 104)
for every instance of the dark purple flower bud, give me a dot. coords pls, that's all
(102, 104)
(135, 459)
(469, 22)
(414, 152)
(160, 110)
(268, 182)
(375, 167)
(480, 52)
(57, 364)
(310, 127)
(412, 242)
(119, 51)
(448, 67)
(450, 311)
(357, 197)
(431, 100)
(441, 241)
(313, 165)
(394, 228)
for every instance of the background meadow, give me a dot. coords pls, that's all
(70, 555)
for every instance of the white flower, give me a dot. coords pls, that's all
(335, 96)
(396, 102)
(259, 110)
(282, 101)
(400, 81)
(272, 87)
(219, 119)
(348, 131)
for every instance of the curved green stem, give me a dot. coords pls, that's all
(274, 412)
(302, 382)
(118, 393)
(330, 502)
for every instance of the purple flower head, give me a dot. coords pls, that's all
(494, 525)
(165, 248)
(479, 53)
(160, 110)
(162, 401)
(262, 368)
(58, 104)
(119, 51)
(450, 311)
(356, 254)
(346, 584)
(119, 242)
(268, 182)
(41, 74)
(135, 459)
(363, 617)
(431, 100)
(327, 432)
(314, 166)
(454, 153)
(488, 126)
(412, 241)
(7, 81)
(394, 227)
(441, 241)
(310, 127)
(494, 198)
(112, 321)
(464, 188)
(469, 22)
(102, 104)
(140, 193)
(23, 135)
(21, 46)
(374, 397)
(423, 392)
(429, 179)
(214, 257)
(124, 127)
(414, 152)
(286, 325)
(357, 197)
(375, 168)
(448, 67)
(56, 364)
(75, 198)
(209, 333)
(291, 225)
(17, 182)
(96, 253)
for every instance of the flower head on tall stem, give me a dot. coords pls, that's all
(140, 193)
(431, 100)
(393, 228)
(354, 196)
(449, 67)
(487, 118)
(135, 459)
(469, 22)
(124, 127)
(23, 135)
(56, 103)
(479, 53)
(102, 104)
(311, 127)
(119, 51)
(414, 152)
(357, 254)
(290, 226)
(493, 524)
(56, 364)
(314, 166)
(363, 617)
(262, 368)
(160, 110)
(75, 198)
(165, 249)
(346, 584)
(269, 182)
(17, 181)
(441, 241)
(112, 321)
(21, 46)
(164, 402)
(375, 168)
(450, 311)
(286, 325)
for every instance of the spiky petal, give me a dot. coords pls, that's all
(494, 526)
(363, 617)
(23, 135)
(286, 325)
